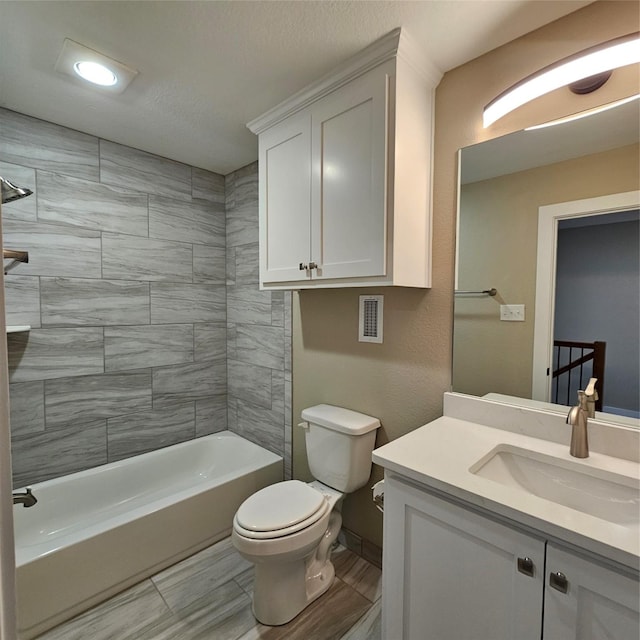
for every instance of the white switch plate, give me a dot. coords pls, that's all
(512, 312)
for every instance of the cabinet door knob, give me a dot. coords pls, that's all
(303, 267)
(558, 581)
(313, 265)
(526, 566)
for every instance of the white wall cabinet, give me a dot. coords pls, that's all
(450, 572)
(345, 176)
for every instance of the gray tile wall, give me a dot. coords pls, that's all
(258, 329)
(126, 294)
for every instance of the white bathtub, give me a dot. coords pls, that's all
(99, 531)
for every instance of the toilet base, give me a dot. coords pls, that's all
(283, 589)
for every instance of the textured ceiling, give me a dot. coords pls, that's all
(208, 68)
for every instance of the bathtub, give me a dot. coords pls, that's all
(99, 531)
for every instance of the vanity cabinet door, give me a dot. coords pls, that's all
(285, 199)
(599, 603)
(452, 574)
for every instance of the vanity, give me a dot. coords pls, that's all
(493, 531)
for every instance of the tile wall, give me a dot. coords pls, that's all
(126, 293)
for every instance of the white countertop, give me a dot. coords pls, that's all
(439, 455)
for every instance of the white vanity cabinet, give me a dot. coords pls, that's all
(345, 176)
(452, 572)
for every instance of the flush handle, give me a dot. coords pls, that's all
(526, 566)
(558, 581)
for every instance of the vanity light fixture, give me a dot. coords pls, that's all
(585, 114)
(591, 68)
(103, 72)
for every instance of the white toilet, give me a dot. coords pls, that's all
(287, 529)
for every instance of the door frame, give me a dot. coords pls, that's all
(549, 217)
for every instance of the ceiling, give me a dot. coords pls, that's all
(206, 68)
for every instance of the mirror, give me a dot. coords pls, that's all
(503, 184)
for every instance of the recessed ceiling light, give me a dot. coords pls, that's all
(103, 72)
(95, 72)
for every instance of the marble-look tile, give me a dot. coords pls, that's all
(359, 574)
(187, 382)
(222, 614)
(260, 345)
(198, 222)
(209, 264)
(124, 617)
(43, 145)
(147, 346)
(173, 303)
(232, 414)
(206, 185)
(250, 383)
(369, 627)
(137, 433)
(83, 302)
(26, 401)
(277, 308)
(196, 577)
(25, 208)
(42, 354)
(108, 395)
(54, 250)
(248, 305)
(131, 258)
(242, 226)
(211, 415)
(210, 341)
(245, 186)
(88, 204)
(22, 300)
(231, 266)
(288, 431)
(265, 427)
(328, 618)
(130, 168)
(40, 456)
(247, 264)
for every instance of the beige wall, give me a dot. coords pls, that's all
(402, 380)
(497, 248)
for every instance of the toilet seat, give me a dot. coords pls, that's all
(280, 510)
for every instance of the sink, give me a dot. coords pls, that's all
(604, 494)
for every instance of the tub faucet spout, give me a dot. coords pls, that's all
(26, 499)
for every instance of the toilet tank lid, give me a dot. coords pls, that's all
(339, 419)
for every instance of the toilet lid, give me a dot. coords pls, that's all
(281, 506)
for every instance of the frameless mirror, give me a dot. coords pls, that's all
(549, 219)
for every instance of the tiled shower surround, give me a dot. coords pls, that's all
(147, 324)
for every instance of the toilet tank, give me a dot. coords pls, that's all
(339, 445)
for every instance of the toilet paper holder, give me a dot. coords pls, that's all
(378, 495)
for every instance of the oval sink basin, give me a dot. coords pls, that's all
(606, 495)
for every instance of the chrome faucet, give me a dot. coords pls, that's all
(26, 499)
(577, 418)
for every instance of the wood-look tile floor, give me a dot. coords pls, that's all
(208, 597)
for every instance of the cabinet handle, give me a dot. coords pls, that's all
(526, 566)
(303, 267)
(313, 265)
(558, 581)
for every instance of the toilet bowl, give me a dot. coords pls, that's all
(287, 529)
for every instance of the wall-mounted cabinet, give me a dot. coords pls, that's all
(345, 175)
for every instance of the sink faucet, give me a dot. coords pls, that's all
(577, 418)
(26, 499)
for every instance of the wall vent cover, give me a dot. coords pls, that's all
(370, 324)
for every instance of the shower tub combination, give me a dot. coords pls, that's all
(99, 531)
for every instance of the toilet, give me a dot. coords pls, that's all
(287, 529)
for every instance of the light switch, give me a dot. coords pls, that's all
(512, 312)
